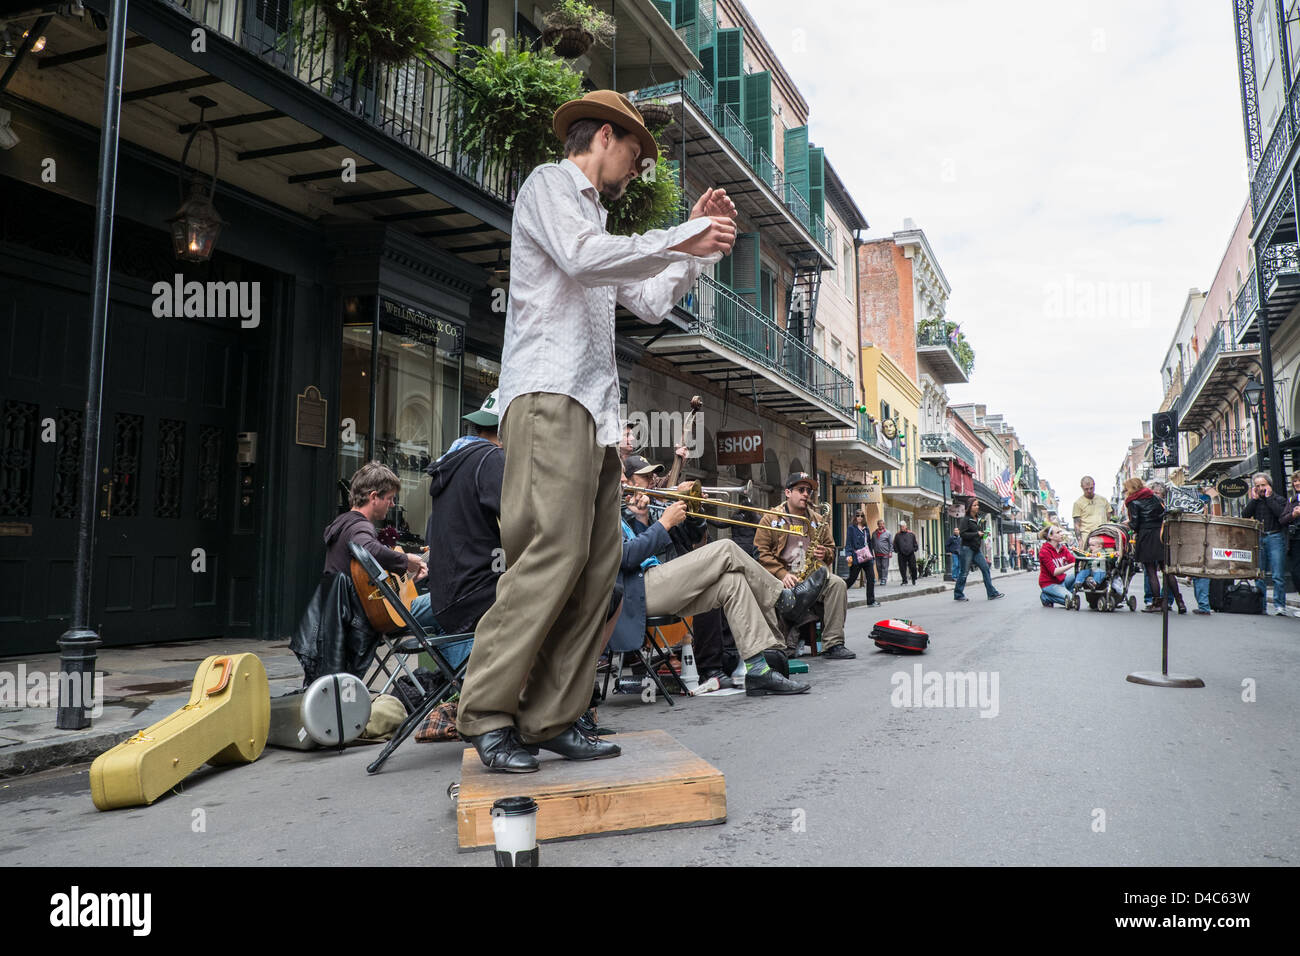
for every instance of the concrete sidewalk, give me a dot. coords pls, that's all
(141, 685)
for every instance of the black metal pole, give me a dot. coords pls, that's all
(1270, 410)
(78, 644)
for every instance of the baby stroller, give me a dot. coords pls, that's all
(1115, 563)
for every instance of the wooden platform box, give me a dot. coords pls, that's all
(655, 783)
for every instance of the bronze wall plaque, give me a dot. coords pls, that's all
(15, 529)
(312, 418)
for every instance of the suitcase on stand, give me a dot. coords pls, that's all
(225, 722)
(900, 637)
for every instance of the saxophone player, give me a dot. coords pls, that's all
(792, 557)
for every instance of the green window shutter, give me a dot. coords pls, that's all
(686, 12)
(758, 112)
(707, 70)
(816, 181)
(766, 292)
(796, 165)
(739, 270)
(746, 267)
(665, 8)
(730, 52)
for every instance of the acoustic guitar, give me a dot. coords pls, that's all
(382, 616)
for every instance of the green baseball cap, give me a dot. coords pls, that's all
(487, 414)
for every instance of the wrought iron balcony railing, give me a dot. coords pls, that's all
(1279, 258)
(418, 102)
(1220, 342)
(987, 492)
(944, 442)
(724, 121)
(928, 477)
(1231, 445)
(931, 334)
(724, 316)
(1270, 163)
(867, 433)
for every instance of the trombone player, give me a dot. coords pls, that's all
(789, 557)
(662, 575)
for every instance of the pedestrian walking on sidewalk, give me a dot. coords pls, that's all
(971, 530)
(905, 546)
(882, 546)
(855, 545)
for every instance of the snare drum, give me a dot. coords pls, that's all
(1212, 546)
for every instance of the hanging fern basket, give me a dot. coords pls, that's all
(656, 115)
(568, 42)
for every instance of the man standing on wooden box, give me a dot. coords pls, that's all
(535, 650)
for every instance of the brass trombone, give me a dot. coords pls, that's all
(696, 496)
(747, 489)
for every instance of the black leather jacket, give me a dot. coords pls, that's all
(1145, 512)
(334, 635)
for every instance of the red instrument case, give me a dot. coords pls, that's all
(900, 637)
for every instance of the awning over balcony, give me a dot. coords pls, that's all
(862, 448)
(735, 346)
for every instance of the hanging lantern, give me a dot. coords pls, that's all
(197, 225)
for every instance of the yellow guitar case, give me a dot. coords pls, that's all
(225, 722)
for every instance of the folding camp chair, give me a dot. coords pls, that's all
(412, 639)
(652, 652)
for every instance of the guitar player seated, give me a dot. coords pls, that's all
(334, 635)
(373, 490)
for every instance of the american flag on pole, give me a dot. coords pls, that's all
(1003, 483)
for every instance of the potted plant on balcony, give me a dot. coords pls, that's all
(572, 26)
(510, 96)
(652, 201)
(376, 31)
(955, 337)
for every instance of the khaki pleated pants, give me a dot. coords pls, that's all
(719, 575)
(535, 650)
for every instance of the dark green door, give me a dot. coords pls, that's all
(175, 529)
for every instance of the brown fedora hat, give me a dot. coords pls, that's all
(608, 107)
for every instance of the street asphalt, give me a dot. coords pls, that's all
(1073, 766)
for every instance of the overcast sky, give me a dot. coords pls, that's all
(1077, 167)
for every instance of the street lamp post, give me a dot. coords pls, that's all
(1254, 394)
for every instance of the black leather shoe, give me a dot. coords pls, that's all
(995, 595)
(572, 744)
(777, 660)
(838, 653)
(760, 685)
(502, 751)
(794, 602)
(961, 599)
